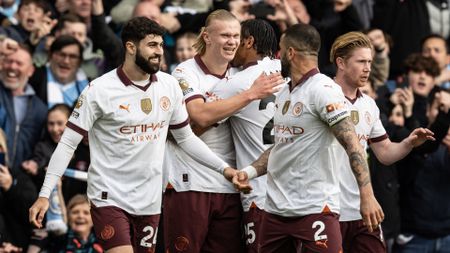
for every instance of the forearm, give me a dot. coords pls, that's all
(59, 161)
(390, 152)
(197, 149)
(207, 114)
(258, 167)
(344, 132)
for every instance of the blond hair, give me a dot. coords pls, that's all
(345, 44)
(223, 15)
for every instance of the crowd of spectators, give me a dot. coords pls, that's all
(50, 50)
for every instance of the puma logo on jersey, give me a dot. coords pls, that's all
(125, 107)
(322, 244)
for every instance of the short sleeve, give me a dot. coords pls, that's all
(377, 133)
(329, 103)
(189, 83)
(87, 110)
(179, 116)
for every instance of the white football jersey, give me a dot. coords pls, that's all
(365, 114)
(127, 127)
(250, 127)
(181, 171)
(302, 171)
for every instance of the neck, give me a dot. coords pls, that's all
(18, 91)
(133, 72)
(253, 57)
(84, 235)
(300, 69)
(215, 65)
(348, 90)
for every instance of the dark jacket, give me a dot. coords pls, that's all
(21, 138)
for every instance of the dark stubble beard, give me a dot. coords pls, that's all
(285, 67)
(145, 65)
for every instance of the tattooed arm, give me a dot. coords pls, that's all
(258, 168)
(371, 212)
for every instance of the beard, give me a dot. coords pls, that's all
(285, 67)
(146, 65)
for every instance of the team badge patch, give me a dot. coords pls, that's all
(75, 114)
(354, 115)
(368, 118)
(164, 102)
(286, 107)
(107, 232)
(181, 243)
(297, 109)
(80, 101)
(184, 85)
(146, 105)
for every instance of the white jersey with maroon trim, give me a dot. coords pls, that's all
(127, 127)
(302, 172)
(181, 171)
(250, 127)
(365, 114)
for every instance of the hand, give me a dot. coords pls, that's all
(239, 8)
(241, 183)
(395, 96)
(406, 98)
(341, 5)
(170, 22)
(443, 77)
(97, 7)
(265, 85)
(284, 13)
(37, 211)
(378, 40)
(8, 46)
(42, 29)
(419, 136)
(371, 211)
(6, 179)
(444, 101)
(229, 173)
(9, 248)
(62, 5)
(31, 167)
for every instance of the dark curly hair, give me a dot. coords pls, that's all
(417, 63)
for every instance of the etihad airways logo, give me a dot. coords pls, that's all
(143, 132)
(286, 134)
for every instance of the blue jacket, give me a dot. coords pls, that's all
(22, 138)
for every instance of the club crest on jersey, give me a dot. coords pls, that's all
(146, 105)
(164, 102)
(286, 107)
(354, 115)
(297, 109)
(184, 85)
(79, 101)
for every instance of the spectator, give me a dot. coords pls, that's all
(22, 113)
(435, 46)
(62, 79)
(184, 49)
(80, 237)
(17, 193)
(31, 14)
(425, 202)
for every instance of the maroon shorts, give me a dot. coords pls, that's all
(312, 233)
(357, 238)
(115, 227)
(202, 222)
(252, 223)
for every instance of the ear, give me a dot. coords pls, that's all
(130, 47)
(290, 53)
(206, 37)
(30, 71)
(249, 42)
(340, 63)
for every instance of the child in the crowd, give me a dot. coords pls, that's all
(183, 48)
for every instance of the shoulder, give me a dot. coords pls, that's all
(188, 67)
(323, 84)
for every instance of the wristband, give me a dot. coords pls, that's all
(251, 172)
